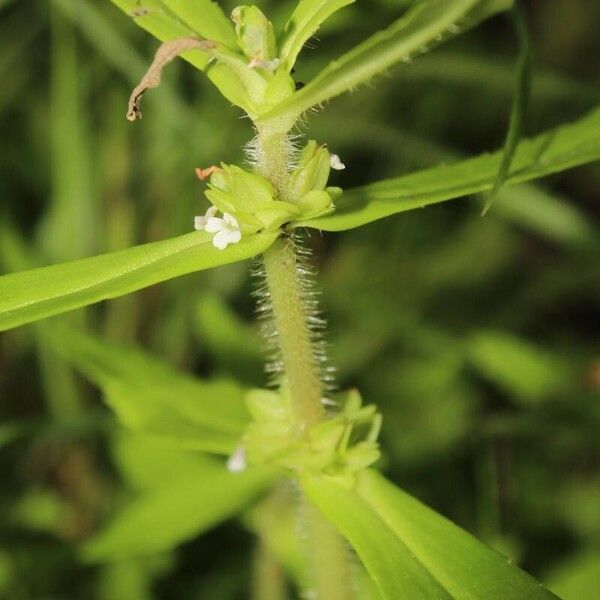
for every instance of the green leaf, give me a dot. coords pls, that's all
(74, 205)
(60, 387)
(520, 103)
(553, 151)
(307, 17)
(546, 214)
(412, 552)
(160, 519)
(40, 293)
(578, 577)
(206, 18)
(427, 24)
(524, 370)
(234, 343)
(162, 24)
(397, 573)
(466, 568)
(151, 397)
(156, 18)
(148, 464)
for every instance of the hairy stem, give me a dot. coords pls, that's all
(274, 154)
(268, 582)
(301, 371)
(300, 368)
(327, 551)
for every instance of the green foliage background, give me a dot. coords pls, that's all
(477, 337)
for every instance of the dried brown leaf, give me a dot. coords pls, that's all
(164, 55)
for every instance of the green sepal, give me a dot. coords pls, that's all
(241, 190)
(340, 446)
(276, 215)
(266, 406)
(335, 192)
(315, 204)
(280, 87)
(243, 80)
(312, 172)
(255, 33)
(272, 428)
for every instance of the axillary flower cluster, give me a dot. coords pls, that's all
(249, 202)
(252, 73)
(341, 446)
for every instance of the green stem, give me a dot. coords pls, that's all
(268, 581)
(300, 367)
(274, 152)
(328, 554)
(329, 558)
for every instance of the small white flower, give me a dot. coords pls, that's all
(267, 65)
(200, 221)
(236, 463)
(336, 163)
(226, 230)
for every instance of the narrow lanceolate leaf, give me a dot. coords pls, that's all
(427, 24)
(412, 552)
(465, 567)
(396, 572)
(520, 103)
(176, 19)
(164, 517)
(205, 17)
(39, 293)
(150, 397)
(173, 17)
(303, 24)
(550, 152)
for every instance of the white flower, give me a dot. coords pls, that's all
(200, 222)
(226, 230)
(236, 463)
(336, 163)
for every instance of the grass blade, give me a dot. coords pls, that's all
(520, 103)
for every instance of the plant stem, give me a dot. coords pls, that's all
(327, 551)
(268, 581)
(300, 367)
(274, 152)
(329, 557)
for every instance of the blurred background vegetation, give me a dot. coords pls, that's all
(477, 337)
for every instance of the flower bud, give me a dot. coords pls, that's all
(312, 172)
(235, 190)
(255, 33)
(315, 204)
(280, 87)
